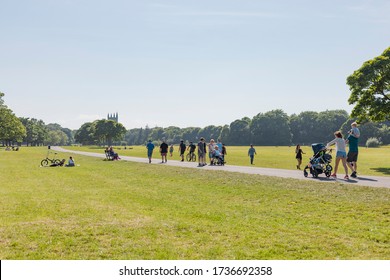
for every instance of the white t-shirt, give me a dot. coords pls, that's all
(340, 144)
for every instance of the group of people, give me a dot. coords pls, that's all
(111, 153)
(13, 148)
(348, 160)
(70, 163)
(216, 151)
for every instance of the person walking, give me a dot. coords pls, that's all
(353, 151)
(171, 150)
(224, 153)
(150, 148)
(182, 149)
(211, 151)
(298, 156)
(341, 154)
(201, 152)
(163, 151)
(252, 153)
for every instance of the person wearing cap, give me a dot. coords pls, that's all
(150, 148)
(182, 149)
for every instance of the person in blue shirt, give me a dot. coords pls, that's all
(252, 153)
(70, 162)
(150, 148)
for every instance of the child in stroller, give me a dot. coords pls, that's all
(218, 157)
(320, 162)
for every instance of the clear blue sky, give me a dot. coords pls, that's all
(183, 63)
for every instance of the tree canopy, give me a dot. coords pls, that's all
(11, 128)
(370, 89)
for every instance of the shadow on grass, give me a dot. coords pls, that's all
(383, 170)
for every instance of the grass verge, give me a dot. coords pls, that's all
(126, 210)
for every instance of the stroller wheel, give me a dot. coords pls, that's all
(327, 173)
(314, 173)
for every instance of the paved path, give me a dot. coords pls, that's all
(371, 181)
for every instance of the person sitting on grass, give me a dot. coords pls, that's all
(70, 162)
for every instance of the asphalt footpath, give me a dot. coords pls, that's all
(361, 180)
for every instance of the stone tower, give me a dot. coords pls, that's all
(113, 117)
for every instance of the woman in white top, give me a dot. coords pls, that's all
(341, 153)
(211, 147)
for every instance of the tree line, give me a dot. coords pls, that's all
(273, 128)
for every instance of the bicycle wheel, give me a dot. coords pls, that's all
(44, 162)
(57, 161)
(188, 157)
(193, 157)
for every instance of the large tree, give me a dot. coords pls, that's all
(239, 133)
(107, 131)
(86, 134)
(11, 128)
(271, 128)
(36, 131)
(370, 89)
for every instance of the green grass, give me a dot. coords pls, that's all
(373, 161)
(126, 210)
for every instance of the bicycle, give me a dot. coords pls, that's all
(47, 160)
(191, 156)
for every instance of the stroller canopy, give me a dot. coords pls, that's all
(317, 147)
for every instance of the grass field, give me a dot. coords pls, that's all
(373, 161)
(126, 210)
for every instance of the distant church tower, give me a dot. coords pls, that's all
(113, 117)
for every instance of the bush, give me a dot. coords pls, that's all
(373, 142)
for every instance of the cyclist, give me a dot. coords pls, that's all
(191, 147)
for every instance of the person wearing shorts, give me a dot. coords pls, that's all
(163, 151)
(211, 150)
(341, 154)
(201, 152)
(191, 147)
(353, 152)
(182, 149)
(150, 148)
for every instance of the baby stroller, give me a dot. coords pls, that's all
(320, 162)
